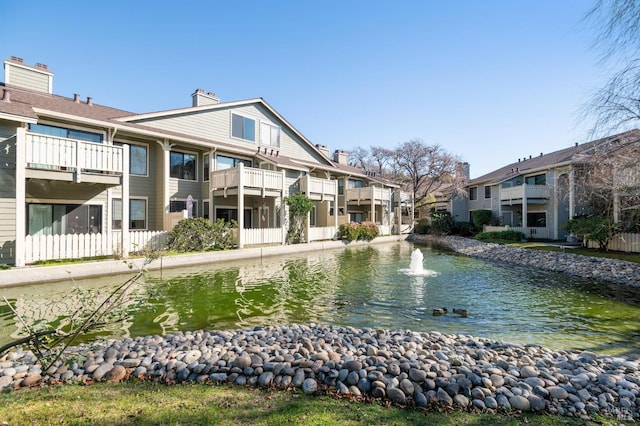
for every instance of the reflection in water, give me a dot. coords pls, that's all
(361, 287)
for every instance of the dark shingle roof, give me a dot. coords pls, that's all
(22, 101)
(567, 155)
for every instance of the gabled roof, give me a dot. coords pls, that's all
(574, 154)
(224, 105)
(28, 105)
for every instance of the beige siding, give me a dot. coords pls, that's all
(216, 125)
(7, 230)
(7, 194)
(30, 79)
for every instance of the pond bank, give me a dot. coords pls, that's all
(88, 269)
(610, 270)
(405, 367)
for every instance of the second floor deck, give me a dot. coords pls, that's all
(55, 158)
(264, 182)
(317, 188)
(368, 194)
(514, 194)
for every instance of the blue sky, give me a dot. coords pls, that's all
(491, 81)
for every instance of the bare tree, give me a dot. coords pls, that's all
(610, 173)
(376, 161)
(609, 178)
(425, 168)
(360, 158)
(616, 106)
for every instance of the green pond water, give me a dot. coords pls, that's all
(359, 287)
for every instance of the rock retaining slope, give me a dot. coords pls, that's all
(409, 368)
(611, 270)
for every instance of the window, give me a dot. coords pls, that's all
(473, 193)
(355, 183)
(223, 162)
(243, 128)
(179, 205)
(341, 187)
(537, 220)
(62, 132)
(137, 159)
(269, 135)
(536, 180)
(356, 217)
(205, 167)
(487, 191)
(137, 214)
(63, 219)
(205, 209)
(182, 165)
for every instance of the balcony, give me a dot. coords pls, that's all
(252, 181)
(368, 195)
(318, 189)
(54, 158)
(520, 192)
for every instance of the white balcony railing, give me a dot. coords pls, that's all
(313, 185)
(52, 153)
(524, 191)
(251, 178)
(368, 193)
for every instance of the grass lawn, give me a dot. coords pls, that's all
(146, 403)
(629, 257)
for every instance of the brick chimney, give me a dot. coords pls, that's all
(38, 77)
(200, 98)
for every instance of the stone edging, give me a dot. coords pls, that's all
(405, 367)
(610, 270)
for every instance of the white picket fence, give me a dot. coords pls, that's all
(257, 236)
(321, 233)
(78, 246)
(626, 242)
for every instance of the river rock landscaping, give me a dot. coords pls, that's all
(408, 368)
(605, 269)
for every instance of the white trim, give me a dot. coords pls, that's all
(221, 105)
(147, 146)
(74, 127)
(254, 141)
(195, 203)
(206, 176)
(18, 118)
(178, 111)
(26, 67)
(181, 151)
(270, 124)
(146, 213)
(56, 201)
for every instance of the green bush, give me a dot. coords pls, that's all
(594, 228)
(481, 218)
(199, 234)
(442, 223)
(365, 231)
(464, 229)
(299, 207)
(501, 235)
(422, 226)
